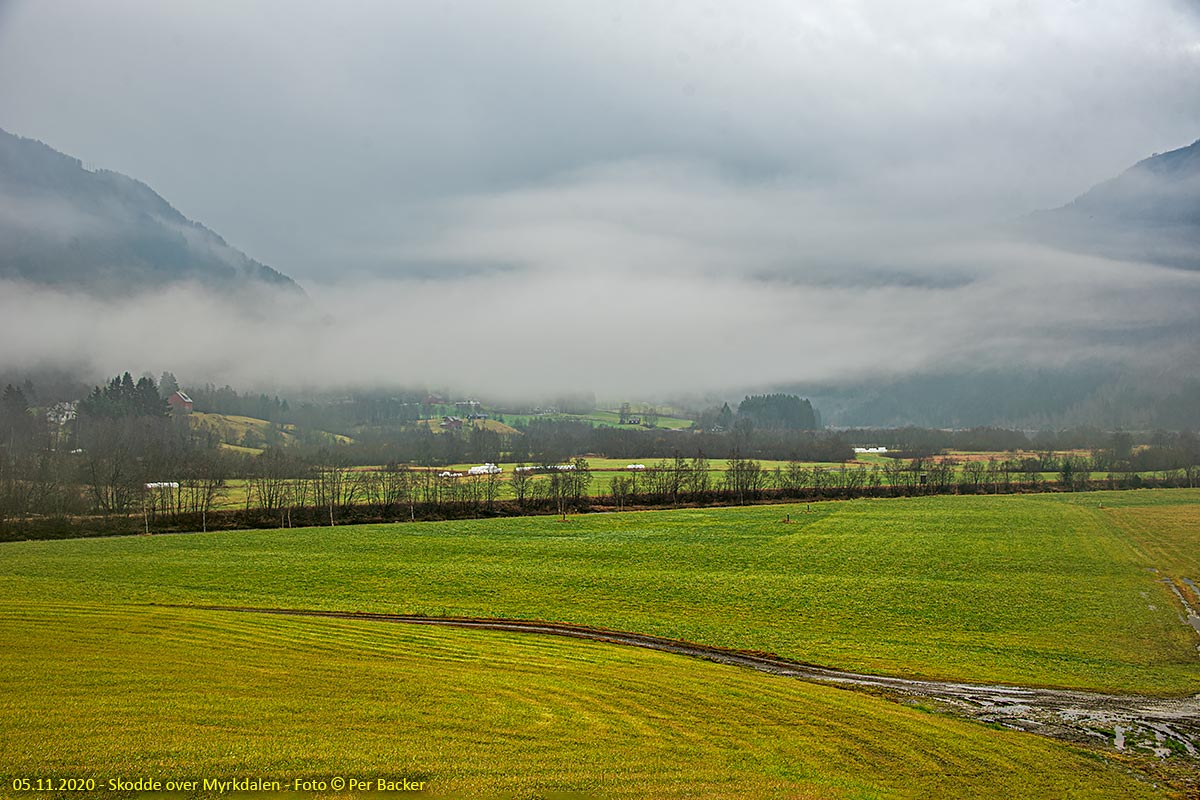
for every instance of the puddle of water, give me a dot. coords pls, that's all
(1189, 616)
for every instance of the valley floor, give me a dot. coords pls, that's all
(105, 639)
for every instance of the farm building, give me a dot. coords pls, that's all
(62, 413)
(180, 403)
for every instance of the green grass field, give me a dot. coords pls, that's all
(110, 691)
(232, 430)
(1035, 589)
(599, 417)
(613, 419)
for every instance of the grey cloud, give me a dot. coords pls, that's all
(621, 331)
(300, 130)
(622, 196)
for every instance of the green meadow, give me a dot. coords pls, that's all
(108, 692)
(1051, 590)
(599, 417)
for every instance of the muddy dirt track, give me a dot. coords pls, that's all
(1162, 726)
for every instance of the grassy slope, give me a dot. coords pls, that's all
(1037, 589)
(599, 417)
(237, 448)
(483, 424)
(1178, 553)
(1167, 538)
(168, 693)
(613, 419)
(232, 428)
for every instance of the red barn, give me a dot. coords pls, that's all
(180, 403)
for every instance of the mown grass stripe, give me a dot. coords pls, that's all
(211, 701)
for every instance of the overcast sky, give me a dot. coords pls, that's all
(551, 162)
(344, 136)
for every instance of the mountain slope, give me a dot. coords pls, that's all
(1150, 212)
(103, 231)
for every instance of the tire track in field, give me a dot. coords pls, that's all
(1162, 726)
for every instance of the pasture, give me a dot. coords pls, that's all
(104, 691)
(235, 431)
(495, 426)
(1050, 590)
(601, 417)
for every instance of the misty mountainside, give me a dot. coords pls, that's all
(64, 225)
(1087, 395)
(1150, 212)
(1147, 215)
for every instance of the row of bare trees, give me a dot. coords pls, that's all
(672, 481)
(279, 484)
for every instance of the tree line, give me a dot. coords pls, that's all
(97, 459)
(284, 490)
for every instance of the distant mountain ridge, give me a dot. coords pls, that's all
(1150, 212)
(99, 230)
